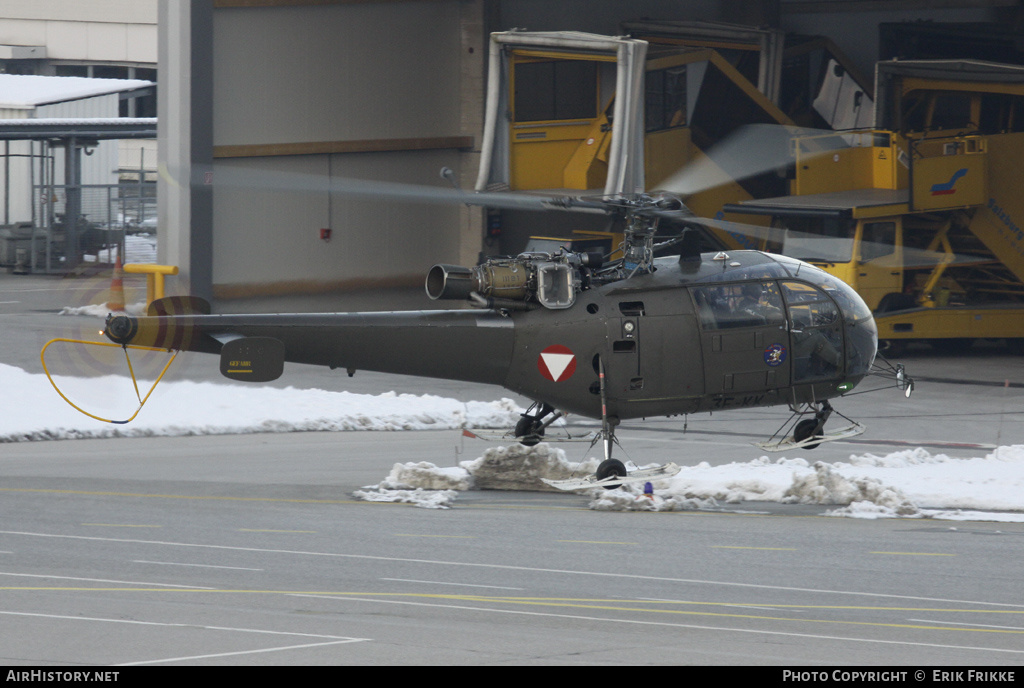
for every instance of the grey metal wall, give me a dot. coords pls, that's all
(250, 86)
(347, 77)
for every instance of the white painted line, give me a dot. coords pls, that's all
(511, 567)
(242, 652)
(202, 566)
(697, 627)
(105, 580)
(461, 585)
(963, 623)
(332, 639)
(181, 625)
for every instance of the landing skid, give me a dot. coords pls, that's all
(657, 473)
(497, 436)
(811, 442)
(808, 433)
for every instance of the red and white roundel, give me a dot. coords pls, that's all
(557, 363)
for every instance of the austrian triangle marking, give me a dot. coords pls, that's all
(557, 363)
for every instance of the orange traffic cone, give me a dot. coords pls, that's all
(116, 302)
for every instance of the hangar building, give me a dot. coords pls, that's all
(266, 103)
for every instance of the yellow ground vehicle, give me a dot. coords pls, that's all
(924, 215)
(571, 112)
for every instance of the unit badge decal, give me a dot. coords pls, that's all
(774, 355)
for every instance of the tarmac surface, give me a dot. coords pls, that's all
(251, 550)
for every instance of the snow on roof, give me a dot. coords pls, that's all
(28, 91)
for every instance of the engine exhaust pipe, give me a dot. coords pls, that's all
(451, 282)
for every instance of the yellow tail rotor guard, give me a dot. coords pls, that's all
(131, 371)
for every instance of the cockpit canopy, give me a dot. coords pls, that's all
(786, 288)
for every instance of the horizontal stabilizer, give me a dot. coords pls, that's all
(252, 359)
(178, 305)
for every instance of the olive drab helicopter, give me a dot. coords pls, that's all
(639, 336)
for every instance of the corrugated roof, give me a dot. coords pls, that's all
(26, 91)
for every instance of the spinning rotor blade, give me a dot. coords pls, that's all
(252, 178)
(752, 150)
(735, 228)
(913, 258)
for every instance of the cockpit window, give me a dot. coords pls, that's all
(816, 332)
(850, 303)
(748, 304)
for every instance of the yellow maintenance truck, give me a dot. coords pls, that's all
(924, 214)
(576, 113)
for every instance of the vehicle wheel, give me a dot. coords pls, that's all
(528, 431)
(951, 346)
(609, 468)
(805, 430)
(895, 302)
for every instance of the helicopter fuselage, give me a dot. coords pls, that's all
(713, 332)
(741, 331)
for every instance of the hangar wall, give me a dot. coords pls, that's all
(370, 91)
(387, 90)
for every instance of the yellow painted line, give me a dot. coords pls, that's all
(269, 530)
(598, 542)
(121, 525)
(769, 549)
(200, 497)
(602, 605)
(917, 554)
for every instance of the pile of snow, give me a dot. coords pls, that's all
(102, 310)
(138, 248)
(94, 294)
(905, 484)
(179, 408)
(424, 499)
(523, 468)
(500, 468)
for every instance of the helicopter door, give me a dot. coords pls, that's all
(816, 329)
(743, 338)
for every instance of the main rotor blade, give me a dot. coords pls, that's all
(837, 249)
(752, 150)
(252, 178)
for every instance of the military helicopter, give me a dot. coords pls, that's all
(639, 336)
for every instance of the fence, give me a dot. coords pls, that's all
(106, 213)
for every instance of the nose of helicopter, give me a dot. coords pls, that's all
(861, 330)
(861, 341)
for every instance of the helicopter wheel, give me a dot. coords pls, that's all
(528, 431)
(610, 468)
(805, 429)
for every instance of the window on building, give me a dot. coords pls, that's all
(665, 99)
(555, 90)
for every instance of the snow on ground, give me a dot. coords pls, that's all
(911, 483)
(205, 408)
(138, 248)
